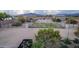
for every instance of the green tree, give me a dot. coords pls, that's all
(3, 15)
(46, 38)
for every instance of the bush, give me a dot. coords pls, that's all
(37, 44)
(17, 23)
(63, 46)
(30, 20)
(57, 20)
(76, 41)
(77, 33)
(21, 19)
(71, 21)
(67, 41)
(47, 38)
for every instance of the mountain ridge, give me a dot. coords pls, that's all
(60, 14)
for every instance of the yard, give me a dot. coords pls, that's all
(12, 37)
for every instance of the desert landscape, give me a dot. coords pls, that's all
(45, 31)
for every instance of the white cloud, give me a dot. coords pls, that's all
(69, 11)
(32, 11)
(19, 11)
(52, 11)
(15, 12)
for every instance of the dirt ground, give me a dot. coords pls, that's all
(12, 37)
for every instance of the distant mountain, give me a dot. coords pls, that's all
(30, 14)
(70, 14)
(60, 14)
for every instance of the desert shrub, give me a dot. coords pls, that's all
(77, 32)
(56, 20)
(30, 20)
(47, 38)
(67, 41)
(71, 21)
(21, 19)
(18, 23)
(63, 46)
(76, 41)
(37, 44)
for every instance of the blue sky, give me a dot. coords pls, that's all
(15, 12)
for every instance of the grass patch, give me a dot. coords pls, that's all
(45, 25)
